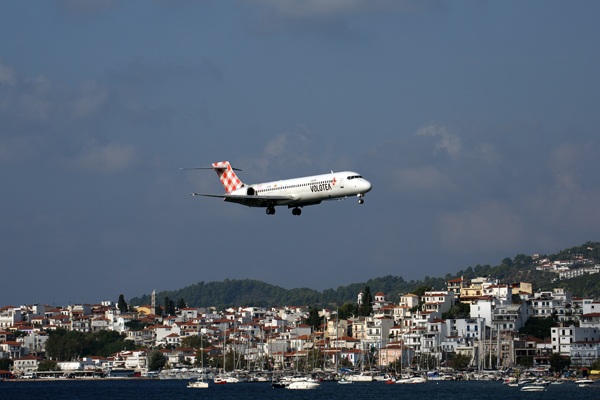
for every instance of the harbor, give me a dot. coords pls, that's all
(161, 389)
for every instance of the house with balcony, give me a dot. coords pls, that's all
(591, 320)
(11, 349)
(584, 353)
(455, 285)
(439, 301)
(26, 364)
(564, 336)
(8, 316)
(395, 352)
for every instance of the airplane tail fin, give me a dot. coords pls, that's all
(228, 178)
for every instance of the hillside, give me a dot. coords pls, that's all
(247, 292)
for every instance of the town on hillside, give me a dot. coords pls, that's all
(478, 320)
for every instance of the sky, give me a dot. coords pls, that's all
(477, 123)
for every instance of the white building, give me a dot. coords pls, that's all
(26, 364)
(564, 337)
(8, 316)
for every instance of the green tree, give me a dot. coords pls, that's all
(314, 359)
(5, 364)
(181, 304)
(459, 310)
(313, 319)
(122, 304)
(460, 362)
(136, 325)
(216, 361)
(347, 310)
(538, 327)
(167, 305)
(156, 360)
(420, 291)
(526, 361)
(194, 342)
(201, 358)
(48, 365)
(345, 363)
(367, 300)
(62, 347)
(559, 363)
(490, 362)
(508, 262)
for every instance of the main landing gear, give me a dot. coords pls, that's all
(295, 211)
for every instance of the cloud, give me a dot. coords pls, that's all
(336, 8)
(7, 75)
(445, 140)
(489, 226)
(288, 151)
(47, 122)
(330, 17)
(426, 178)
(110, 158)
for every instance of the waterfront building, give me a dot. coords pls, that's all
(27, 364)
(564, 336)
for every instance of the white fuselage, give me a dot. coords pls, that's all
(310, 189)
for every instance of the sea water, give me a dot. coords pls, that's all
(177, 389)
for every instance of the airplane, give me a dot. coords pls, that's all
(294, 193)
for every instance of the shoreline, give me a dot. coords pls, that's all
(77, 379)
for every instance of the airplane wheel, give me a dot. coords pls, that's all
(360, 201)
(296, 211)
(270, 210)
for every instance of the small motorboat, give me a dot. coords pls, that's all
(199, 384)
(303, 385)
(533, 388)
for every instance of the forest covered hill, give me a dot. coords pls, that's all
(247, 292)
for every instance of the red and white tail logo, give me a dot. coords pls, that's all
(228, 178)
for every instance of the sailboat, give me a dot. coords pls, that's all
(201, 382)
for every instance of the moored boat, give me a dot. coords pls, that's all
(533, 388)
(360, 378)
(199, 384)
(303, 385)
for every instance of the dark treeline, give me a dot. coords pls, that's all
(247, 292)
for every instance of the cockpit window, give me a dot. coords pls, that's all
(354, 177)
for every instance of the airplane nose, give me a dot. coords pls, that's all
(367, 186)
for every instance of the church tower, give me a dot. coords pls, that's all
(153, 306)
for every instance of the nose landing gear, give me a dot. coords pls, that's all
(360, 199)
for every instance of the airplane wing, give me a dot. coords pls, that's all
(250, 201)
